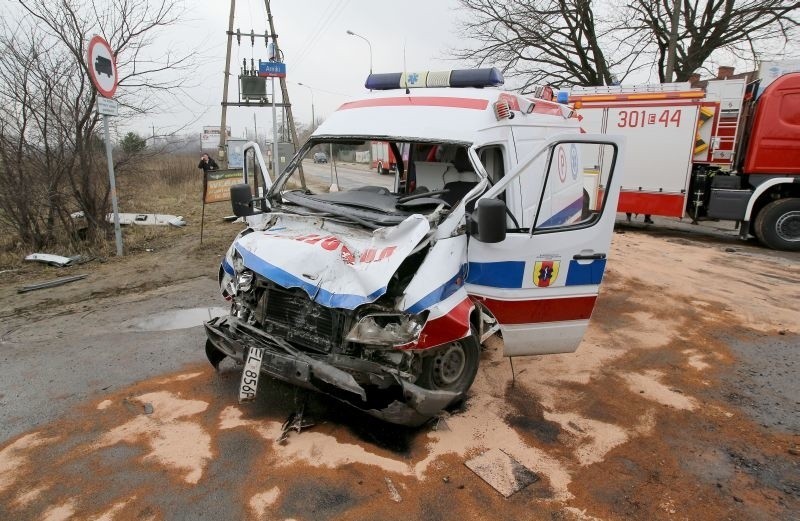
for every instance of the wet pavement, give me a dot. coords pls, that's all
(680, 404)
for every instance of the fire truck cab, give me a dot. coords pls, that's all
(382, 297)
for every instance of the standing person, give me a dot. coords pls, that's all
(207, 164)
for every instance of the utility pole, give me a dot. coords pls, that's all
(673, 40)
(223, 135)
(284, 92)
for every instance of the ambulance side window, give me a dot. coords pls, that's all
(492, 159)
(573, 194)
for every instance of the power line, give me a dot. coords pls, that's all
(309, 47)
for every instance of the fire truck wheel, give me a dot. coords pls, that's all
(452, 366)
(777, 225)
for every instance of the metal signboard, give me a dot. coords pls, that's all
(102, 65)
(218, 185)
(209, 139)
(107, 106)
(271, 69)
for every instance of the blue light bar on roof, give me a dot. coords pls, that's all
(458, 78)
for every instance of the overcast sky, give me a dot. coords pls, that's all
(317, 52)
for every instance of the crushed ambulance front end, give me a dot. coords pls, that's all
(346, 311)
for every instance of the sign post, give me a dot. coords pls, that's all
(102, 66)
(273, 69)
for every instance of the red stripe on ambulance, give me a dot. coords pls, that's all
(419, 101)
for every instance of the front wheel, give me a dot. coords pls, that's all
(452, 366)
(777, 225)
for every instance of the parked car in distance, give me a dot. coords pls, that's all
(320, 157)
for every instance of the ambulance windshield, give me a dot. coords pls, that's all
(376, 183)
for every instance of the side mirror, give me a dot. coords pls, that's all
(489, 221)
(241, 200)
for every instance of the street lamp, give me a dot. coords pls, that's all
(313, 119)
(351, 33)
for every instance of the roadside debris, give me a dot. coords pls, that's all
(393, 493)
(50, 283)
(57, 260)
(296, 421)
(502, 472)
(148, 408)
(142, 219)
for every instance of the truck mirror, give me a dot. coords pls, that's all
(489, 220)
(241, 200)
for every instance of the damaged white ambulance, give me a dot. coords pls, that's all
(498, 221)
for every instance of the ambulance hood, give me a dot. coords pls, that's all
(336, 265)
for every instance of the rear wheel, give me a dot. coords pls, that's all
(452, 366)
(777, 225)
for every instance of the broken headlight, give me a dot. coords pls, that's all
(244, 280)
(387, 330)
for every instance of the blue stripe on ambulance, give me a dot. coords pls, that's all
(319, 295)
(506, 274)
(564, 215)
(440, 293)
(509, 274)
(589, 273)
(228, 268)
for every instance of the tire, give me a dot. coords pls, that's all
(777, 225)
(452, 366)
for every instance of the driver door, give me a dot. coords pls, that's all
(541, 283)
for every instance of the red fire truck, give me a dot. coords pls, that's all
(728, 152)
(383, 160)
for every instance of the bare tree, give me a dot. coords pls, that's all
(595, 43)
(51, 158)
(744, 28)
(550, 41)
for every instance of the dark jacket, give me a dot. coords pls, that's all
(210, 166)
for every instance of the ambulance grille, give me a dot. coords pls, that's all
(291, 315)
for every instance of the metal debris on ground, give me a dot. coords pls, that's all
(502, 472)
(440, 423)
(57, 260)
(50, 283)
(142, 219)
(297, 420)
(393, 493)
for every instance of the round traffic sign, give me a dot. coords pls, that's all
(102, 66)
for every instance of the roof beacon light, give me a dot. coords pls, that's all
(457, 78)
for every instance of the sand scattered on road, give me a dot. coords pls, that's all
(696, 360)
(13, 459)
(760, 291)
(105, 404)
(116, 508)
(60, 512)
(260, 503)
(593, 438)
(25, 499)
(649, 386)
(175, 443)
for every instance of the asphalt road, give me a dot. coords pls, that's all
(348, 175)
(682, 406)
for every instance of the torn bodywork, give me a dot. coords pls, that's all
(381, 390)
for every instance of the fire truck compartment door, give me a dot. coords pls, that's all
(542, 281)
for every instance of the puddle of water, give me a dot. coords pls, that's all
(178, 319)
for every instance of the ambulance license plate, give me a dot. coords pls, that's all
(252, 370)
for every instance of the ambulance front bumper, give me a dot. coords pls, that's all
(414, 405)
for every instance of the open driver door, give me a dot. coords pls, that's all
(541, 280)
